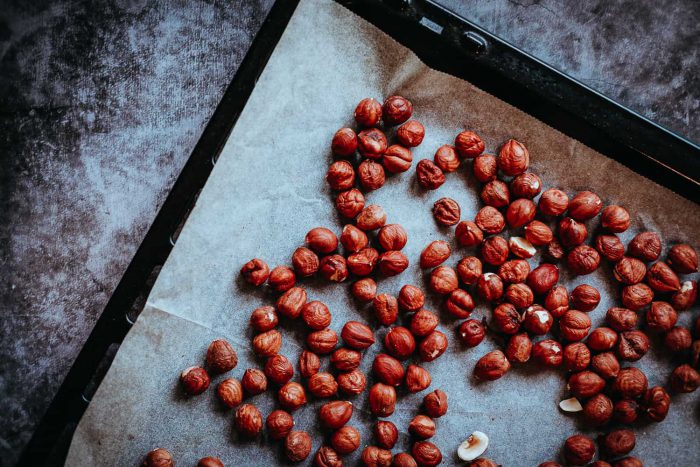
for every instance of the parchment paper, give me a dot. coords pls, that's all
(268, 189)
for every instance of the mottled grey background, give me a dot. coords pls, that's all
(103, 101)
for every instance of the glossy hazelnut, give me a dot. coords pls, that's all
(471, 332)
(344, 142)
(372, 143)
(255, 272)
(632, 345)
(678, 339)
(392, 263)
(327, 457)
(513, 158)
(655, 403)
(371, 175)
(537, 320)
(538, 233)
(352, 382)
(446, 158)
(629, 270)
(297, 446)
(230, 392)
(685, 298)
(577, 356)
(322, 385)
(492, 366)
(411, 133)
(661, 278)
(210, 462)
(364, 290)
(490, 220)
(506, 319)
(372, 217)
(340, 175)
(158, 457)
(357, 335)
(422, 427)
(335, 414)
(645, 246)
(397, 159)
(630, 383)
(625, 411)
(606, 365)
(469, 144)
(683, 259)
(392, 237)
(557, 301)
(446, 212)
(430, 176)
(417, 378)
(322, 342)
(585, 384)
(571, 232)
(400, 343)
(247, 420)
(543, 278)
(221, 357)
(387, 369)
(316, 315)
(353, 239)
(661, 317)
(368, 112)
(485, 168)
(404, 459)
(519, 295)
(382, 400)
(579, 450)
(615, 219)
(434, 254)
(637, 296)
(279, 423)
(363, 262)
(268, 343)
(494, 250)
(553, 202)
(469, 269)
(291, 396)
(426, 454)
(628, 461)
(585, 205)
(282, 278)
(350, 203)
(583, 260)
(585, 297)
(333, 268)
(432, 346)
(496, 194)
(396, 110)
(618, 442)
(520, 212)
(345, 440)
(278, 369)
(468, 234)
(684, 379)
(443, 280)
(291, 302)
(598, 410)
(305, 262)
(309, 364)
(411, 298)
(435, 404)
(346, 359)
(514, 271)
(527, 185)
(194, 380)
(548, 352)
(519, 348)
(602, 339)
(386, 434)
(489, 287)
(621, 319)
(254, 381)
(610, 247)
(373, 456)
(386, 309)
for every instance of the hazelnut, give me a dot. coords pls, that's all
(305, 262)
(371, 175)
(357, 335)
(630, 383)
(364, 290)
(346, 359)
(323, 384)
(527, 185)
(618, 442)
(322, 342)
(494, 250)
(430, 176)
(372, 456)
(392, 263)
(397, 159)
(683, 259)
(297, 446)
(371, 217)
(615, 219)
(434, 254)
(632, 345)
(327, 457)
(387, 369)
(548, 352)
(341, 175)
(333, 268)
(543, 278)
(426, 454)
(557, 301)
(446, 211)
(490, 220)
(432, 346)
(583, 260)
(469, 269)
(513, 158)
(469, 144)
(443, 280)
(610, 247)
(291, 302)
(221, 357)
(279, 369)
(678, 339)
(382, 400)
(446, 158)
(496, 194)
(422, 427)
(514, 271)
(661, 317)
(489, 287)
(621, 319)
(492, 366)
(537, 320)
(350, 203)
(159, 457)
(230, 392)
(435, 404)
(520, 295)
(661, 278)
(411, 298)
(396, 110)
(628, 461)
(282, 278)
(363, 262)
(372, 143)
(368, 112)
(392, 237)
(629, 270)
(645, 246)
(656, 402)
(386, 434)
(602, 339)
(554, 251)
(520, 212)
(572, 233)
(279, 423)
(574, 325)
(553, 464)
(506, 318)
(579, 450)
(598, 410)
(585, 297)
(637, 296)
(606, 365)
(585, 384)
(268, 343)
(247, 420)
(538, 233)
(353, 239)
(625, 411)
(468, 234)
(577, 356)
(254, 381)
(686, 296)
(519, 348)
(335, 414)
(684, 379)
(255, 272)
(485, 168)
(386, 309)
(399, 342)
(344, 142)
(345, 440)
(352, 382)
(291, 396)
(585, 205)
(553, 202)
(417, 378)
(309, 364)
(411, 133)
(210, 462)
(521, 247)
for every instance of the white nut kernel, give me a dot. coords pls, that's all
(521, 247)
(571, 405)
(473, 447)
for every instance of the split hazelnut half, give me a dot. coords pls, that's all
(571, 405)
(473, 447)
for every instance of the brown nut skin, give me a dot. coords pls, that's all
(537, 320)
(423, 323)
(543, 278)
(443, 280)
(279, 423)
(371, 175)
(368, 112)
(557, 301)
(411, 298)
(598, 410)
(469, 269)
(435, 404)
(353, 239)
(513, 158)
(386, 309)
(333, 268)
(495, 194)
(397, 159)
(678, 339)
(282, 278)
(585, 205)
(628, 461)
(630, 383)
(248, 421)
(426, 454)
(305, 262)
(626, 411)
(417, 378)
(346, 359)
(548, 352)
(396, 110)
(554, 251)
(327, 457)
(606, 365)
(645, 246)
(490, 220)
(268, 343)
(585, 384)
(254, 381)
(446, 212)
(485, 168)
(352, 382)
(550, 464)
(661, 278)
(255, 272)
(629, 270)
(602, 339)
(230, 392)
(350, 203)
(683, 259)
(392, 237)
(194, 380)
(432, 346)
(685, 298)
(577, 356)
(291, 302)
(621, 319)
(519, 348)
(661, 317)
(357, 335)
(655, 403)
(372, 456)
(538, 233)
(382, 400)
(446, 158)
(514, 271)
(322, 342)
(297, 446)
(372, 217)
(435, 254)
(340, 175)
(520, 212)
(291, 396)
(483, 462)
(422, 427)
(403, 459)
(364, 290)
(159, 457)
(610, 247)
(400, 343)
(309, 364)
(387, 369)
(468, 144)
(363, 262)
(316, 315)
(615, 219)
(527, 185)
(372, 143)
(637, 296)
(617, 442)
(210, 462)
(585, 297)
(583, 260)
(468, 234)
(553, 202)
(221, 357)
(346, 440)
(579, 450)
(494, 250)
(335, 414)
(411, 133)
(684, 379)
(492, 366)
(323, 385)
(489, 287)
(571, 232)
(344, 142)
(632, 345)
(392, 263)
(430, 176)
(506, 318)
(386, 434)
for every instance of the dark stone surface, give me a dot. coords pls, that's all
(102, 102)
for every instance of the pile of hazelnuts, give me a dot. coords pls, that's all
(532, 315)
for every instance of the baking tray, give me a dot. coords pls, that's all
(444, 41)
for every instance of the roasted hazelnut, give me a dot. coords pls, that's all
(386, 434)
(598, 410)
(471, 332)
(323, 384)
(392, 237)
(387, 369)
(352, 382)
(411, 298)
(629, 271)
(585, 384)
(684, 379)
(645, 246)
(527, 185)
(520, 212)
(372, 143)
(417, 378)
(422, 427)
(610, 247)
(494, 250)
(583, 260)
(602, 339)
(521, 247)
(468, 234)
(554, 251)
(255, 272)
(579, 450)
(543, 278)
(305, 262)
(585, 297)
(630, 383)
(432, 346)
(345, 440)
(344, 142)
(333, 268)
(297, 446)
(399, 342)
(282, 278)
(279, 423)
(615, 219)
(368, 112)
(221, 357)
(430, 176)
(538, 233)
(492, 366)
(346, 359)
(519, 295)
(514, 271)
(371, 175)
(628, 461)
(392, 263)
(553, 202)
(685, 298)
(353, 239)
(469, 144)
(435, 404)
(327, 457)
(279, 369)
(637, 296)
(469, 269)
(683, 259)
(372, 456)
(291, 396)
(210, 462)
(335, 414)
(661, 317)
(309, 364)
(571, 232)
(357, 335)
(625, 411)
(363, 262)
(158, 457)
(322, 342)
(411, 133)
(519, 348)
(291, 302)
(489, 287)
(248, 420)
(426, 454)
(254, 381)
(485, 168)
(446, 158)
(655, 402)
(678, 339)
(434, 254)
(364, 290)
(537, 320)
(618, 442)
(446, 211)
(396, 110)
(350, 203)
(397, 159)
(585, 205)
(382, 400)
(632, 345)
(506, 318)
(230, 392)
(621, 319)
(386, 309)
(490, 220)
(548, 352)
(577, 356)
(194, 380)
(268, 343)
(443, 280)
(606, 365)
(372, 217)
(341, 175)
(513, 158)
(496, 194)
(661, 278)
(557, 301)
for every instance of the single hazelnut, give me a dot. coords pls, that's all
(492, 366)
(489, 287)
(579, 450)
(309, 364)
(291, 302)
(322, 342)
(341, 175)
(574, 325)
(585, 384)
(335, 414)
(606, 365)
(435, 404)
(521, 247)
(396, 110)
(495, 194)
(404, 459)
(411, 133)
(661, 278)
(621, 319)
(557, 301)
(446, 211)
(626, 411)
(485, 168)
(519, 348)
(371, 175)
(615, 219)
(382, 400)
(372, 143)
(322, 385)
(548, 352)
(469, 269)
(645, 246)
(392, 237)
(279, 423)
(443, 280)
(577, 356)
(327, 457)
(255, 272)
(352, 382)
(661, 317)
(629, 270)
(537, 320)
(282, 278)
(637, 296)
(678, 339)
(494, 250)
(683, 259)
(268, 343)
(520, 295)
(602, 339)
(230, 392)
(527, 185)
(538, 233)
(553, 464)
(630, 383)
(417, 378)
(411, 298)
(506, 318)
(291, 396)
(279, 369)
(628, 461)
(364, 290)
(392, 263)
(585, 205)
(543, 278)
(435, 254)
(386, 309)
(357, 335)
(684, 379)
(387, 369)
(305, 262)
(469, 144)
(585, 297)
(396, 159)
(610, 247)
(363, 262)
(513, 158)
(655, 404)
(254, 381)
(422, 427)
(632, 345)
(490, 220)
(520, 212)
(344, 142)
(446, 158)
(221, 357)
(368, 112)
(598, 410)
(297, 446)
(554, 251)
(571, 232)
(468, 234)
(513, 271)
(248, 420)
(386, 434)
(333, 268)
(553, 202)
(372, 217)
(345, 440)
(210, 462)
(685, 298)
(618, 442)
(372, 456)
(399, 342)
(346, 359)
(159, 457)
(426, 454)
(423, 323)
(583, 260)
(430, 176)
(432, 346)
(350, 203)
(353, 239)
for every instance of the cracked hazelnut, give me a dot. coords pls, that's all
(426, 453)
(411, 133)
(548, 352)
(621, 319)
(468, 234)
(618, 442)
(364, 290)
(446, 211)
(291, 396)
(316, 315)
(327, 457)
(344, 142)
(625, 411)
(305, 262)
(443, 280)
(297, 446)
(386, 434)
(446, 158)
(363, 262)
(411, 298)
(489, 287)
(335, 414)
(492, 366)
(255, 272)
(513, 158)
(494, 250)
(422, 427)
(519, 295)
(485, 168)
(585, 205)
(553, 202)
(543, 278)
(397, 159)
(158, 457)
(513, 271)
(520, 212)
(291, 302)
(417, 378)
(585, 297)
(495, 194)
(606, 365)
(396, 110)
(254, 381)
(683, 259)
(615, 219)
(392, 237)
(352, 382)
(387, 369)
(346, 440)
(630, 383)
(598, 410)
(357, 335)
(571, 232)
(469, 269)
(585, 384)
(579, 450)
(346, 359)
(247, 420)
(537, 320)
(686, 296)
(434, 254)
(490, 220)
(432, 346)
(282, 278)
(221, 357)
(583, 260)
(645, 246)
(577, 356)
(661, 317)
(610, 247)
(602, 339)
(678, 339)
(372, 143)
(350, 203)
(538, 233)
(655, 403)
(557, 301)
(372, 456)
(382, 400)
(399, 342)
(194, 380)
(519, 348)
(368, 112)
(435, 404)
(263, 319)
(430, 176)
(371, 217)
(506, 318)
(471, 332)
(637, 296)
(527, 185)
(322, 342)
(661, 278)
(521, 247)
(629, 270)
(333, 268)
(323, 384)
(279, 369)
(386, 309)
(684, 379)
(309, 364)
(469, 144)
(341, 175)
(353, 239)
(268, 343)
(632, 345)
(392, 263)
(371, 175)
(279, 423)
